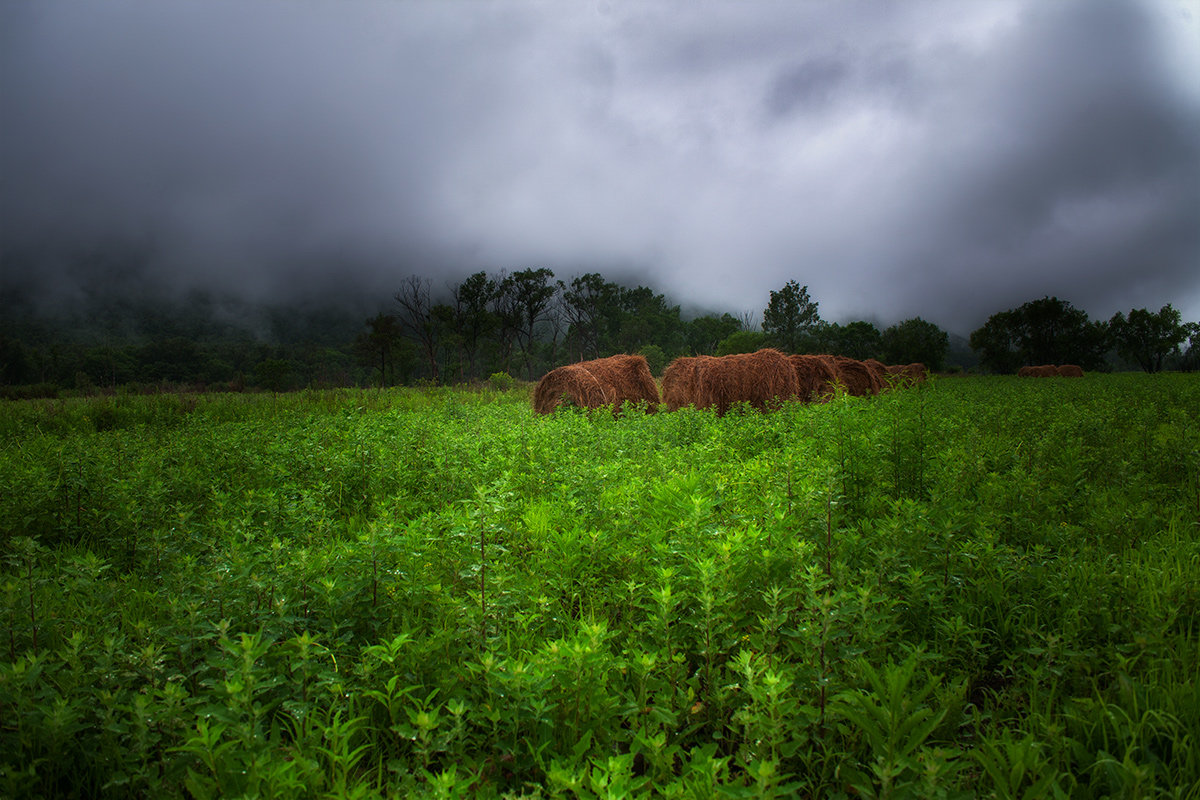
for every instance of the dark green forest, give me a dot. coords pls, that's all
(114, 331)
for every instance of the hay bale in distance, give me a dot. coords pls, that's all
(764, 379)
(815, 377)
(1042, 371)
(1070, 371)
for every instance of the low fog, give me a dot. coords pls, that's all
(939, 159)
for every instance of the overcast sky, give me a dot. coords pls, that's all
(941, 159)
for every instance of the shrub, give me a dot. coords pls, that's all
(502, 381)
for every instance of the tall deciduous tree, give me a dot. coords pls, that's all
(645, 318)
(472, 318)
(15, 364)
(416, 317)
(704, 334)
(998, 342)
(587, 301)
(529, 296)
(859, 339)
(915, 340)
(507, 317)
(378, 346)
(1190, 361)
(1147, 338)
(1055, 332)
(790, 316)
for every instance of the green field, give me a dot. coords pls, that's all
(979, 587)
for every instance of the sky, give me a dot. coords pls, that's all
(935, 158)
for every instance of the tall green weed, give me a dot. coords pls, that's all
(979, 586)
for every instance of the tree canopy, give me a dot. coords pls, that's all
(915, 340)
(790, 318)
(1147, 338)
(1045, 331)
(858, 339)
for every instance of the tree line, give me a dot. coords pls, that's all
(1052, 331)
(522, 324)
(526, 322)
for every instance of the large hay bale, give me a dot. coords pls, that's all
(879, 369)
(855, 376)
(908, 374)
(629, 378)
(1070, 371)
(591, 384)
(815, 377)
(1042, 371)
(570, 385)
(764, 379)
(679, 381)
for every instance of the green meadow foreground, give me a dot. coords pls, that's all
(979, 587)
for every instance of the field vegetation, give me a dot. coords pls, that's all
(970, 588)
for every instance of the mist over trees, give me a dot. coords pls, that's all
(522, 323)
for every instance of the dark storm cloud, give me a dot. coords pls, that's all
(1077, 171)
(928, 158)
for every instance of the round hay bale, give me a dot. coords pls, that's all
(1070, 371)
(880, 371)
(815, 377)
(855, 376)
(679, 381)
(628, 377)
(569, 385)
(1042, 371)
(764, 379)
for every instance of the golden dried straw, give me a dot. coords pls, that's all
(679, 381)
(764, 379)
(855, 376)
(815, 376)
(591, 384)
